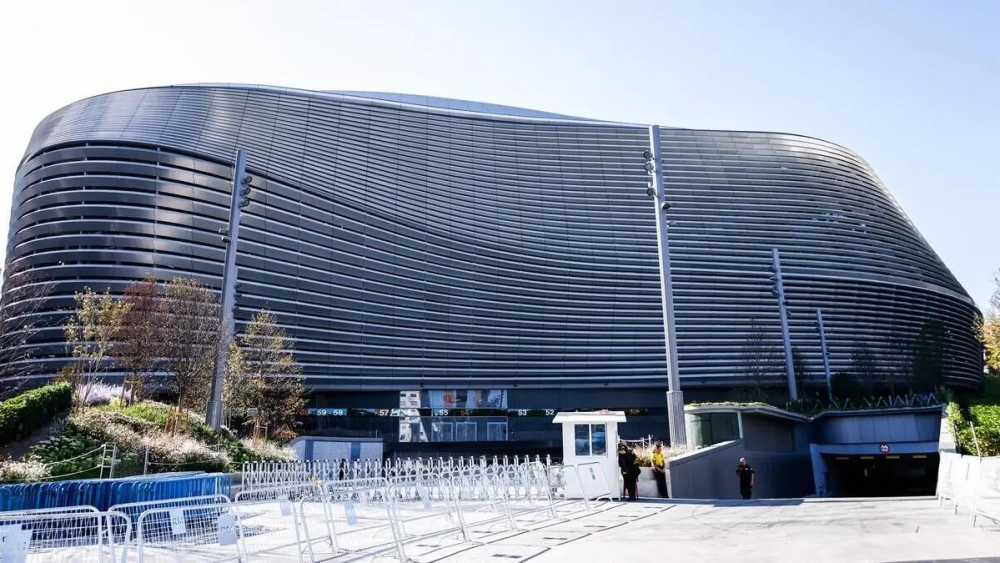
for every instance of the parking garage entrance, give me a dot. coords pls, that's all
(881, 475)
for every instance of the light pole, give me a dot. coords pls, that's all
(826, 358)
(240, 199)
(675, 398)
(779, 291)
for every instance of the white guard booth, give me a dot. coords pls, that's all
(590, 453)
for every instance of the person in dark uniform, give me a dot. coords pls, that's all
(628, 463)
(746, 478)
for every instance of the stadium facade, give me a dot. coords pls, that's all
(484, 264)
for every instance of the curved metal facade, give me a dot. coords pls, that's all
(407, 245)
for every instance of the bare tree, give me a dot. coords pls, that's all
(140, 340)
(265, 375)
(899, 361)
(90, 336)
(801, 370)
(864, 364)
(23, 295)
(760, 361)
(190, 337)
(930, 349)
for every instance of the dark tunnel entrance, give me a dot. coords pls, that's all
(882, 475)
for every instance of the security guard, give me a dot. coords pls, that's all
(746, 478)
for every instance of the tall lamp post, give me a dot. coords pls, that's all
(826, 358)
(655, 190)
(778, 290)
(240, 199)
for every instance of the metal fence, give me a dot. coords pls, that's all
(970, 484)
(258, 474)
(400, 517)
(80, 534)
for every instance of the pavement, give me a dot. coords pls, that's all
(797, 530)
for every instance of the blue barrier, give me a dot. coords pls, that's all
(104, 493)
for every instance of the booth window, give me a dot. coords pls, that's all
(591, 439)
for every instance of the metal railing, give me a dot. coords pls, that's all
(306, 521)
(269, 474)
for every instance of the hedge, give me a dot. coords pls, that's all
(985, 440)
(22, 415)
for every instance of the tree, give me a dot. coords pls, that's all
(801, 370)
(140, 338)
(90, 336)
(899, 361)
(846, 386)
(190, 336)
(760, 361)
(928, 356)
(237, 389)
(989, 329)
(864, 364)
(265, 376)
(22, 297)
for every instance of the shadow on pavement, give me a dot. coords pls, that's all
(773, 501)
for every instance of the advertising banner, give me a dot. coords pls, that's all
(467, 399)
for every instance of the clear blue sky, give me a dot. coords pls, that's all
(912, 86)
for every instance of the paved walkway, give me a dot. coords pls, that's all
(800, 530)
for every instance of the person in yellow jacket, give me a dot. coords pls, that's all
(660, 470)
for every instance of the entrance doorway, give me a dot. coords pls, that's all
(882, 475)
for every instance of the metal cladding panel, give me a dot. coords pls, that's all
(880, 428)
(405, 245)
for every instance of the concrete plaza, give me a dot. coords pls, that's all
(799, 530)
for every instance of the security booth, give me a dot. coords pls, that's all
(590, 456)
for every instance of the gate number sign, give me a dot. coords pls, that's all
(884, 448)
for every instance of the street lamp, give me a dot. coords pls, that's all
(231, 236)
(826, 358)
(778, 290)
(655, 190)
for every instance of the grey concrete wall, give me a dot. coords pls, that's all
(768, 433)
(710, 473)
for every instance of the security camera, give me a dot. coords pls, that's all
(247, 179)
(650, 191)
(650, 167)
(665, 206)
(647, 154)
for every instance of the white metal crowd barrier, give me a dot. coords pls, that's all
(221, 532)
(410, 514)
(970, 483)
(269, 474)
(78, 534)
(586, 481)
(987, 503)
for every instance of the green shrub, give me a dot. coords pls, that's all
(22, 471)
(985, 414)
(159, 414)
(729, 404)
(22, 415)
(985, 417)
(149, 415)
(71, 452)
(149, 411)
